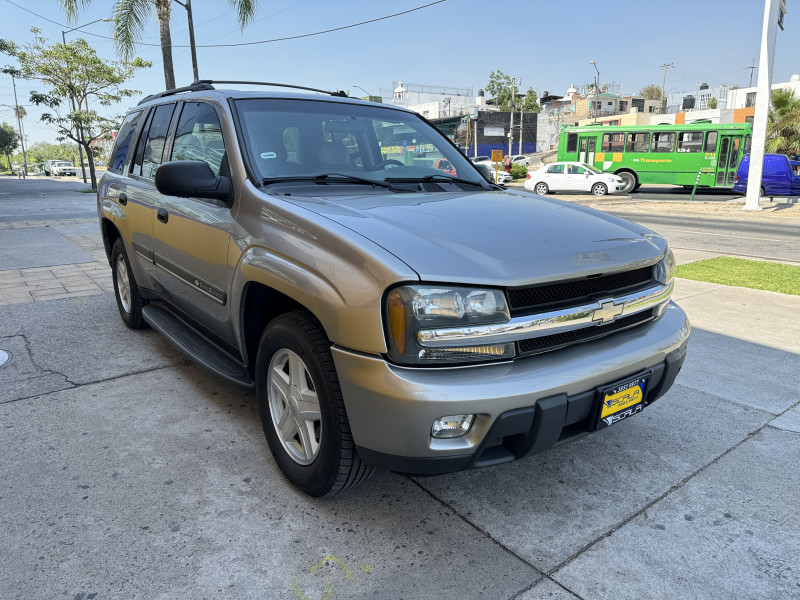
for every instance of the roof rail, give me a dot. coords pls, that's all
(340, 93)
(197, 86)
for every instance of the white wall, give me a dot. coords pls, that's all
(738, 98)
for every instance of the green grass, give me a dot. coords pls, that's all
(739, 272)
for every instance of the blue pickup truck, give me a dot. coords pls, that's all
(781, 176)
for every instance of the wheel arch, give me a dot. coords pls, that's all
(110, 235)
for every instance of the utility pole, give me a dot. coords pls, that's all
(773, 11)
(596, 84)
(753, 68)
(511, 124)
(665, 66)
(188, 6)
(19, 124)
(521, 116)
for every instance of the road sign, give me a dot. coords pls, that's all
(497, 156)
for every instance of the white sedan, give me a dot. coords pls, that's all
(573, 177)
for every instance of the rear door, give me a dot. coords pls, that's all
(554, 177)
(730, 150)
(586, 149)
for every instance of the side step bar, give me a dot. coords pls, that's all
(197, 347)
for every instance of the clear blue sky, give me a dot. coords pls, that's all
(454, 43)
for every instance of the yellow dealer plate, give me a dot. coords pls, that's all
(622, 400)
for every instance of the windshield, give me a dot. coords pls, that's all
(306, 139)
(63, 164)
(591, 168)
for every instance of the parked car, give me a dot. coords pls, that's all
(780, 176)
(47, 167)
(63, 167)
(442, 164)
(520, 160)
(573, 177)
(478, 159)
(273, 239)
(487, 170)
(16, 168)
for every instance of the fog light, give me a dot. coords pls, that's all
(452, 426)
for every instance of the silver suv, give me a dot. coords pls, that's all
(388, 314)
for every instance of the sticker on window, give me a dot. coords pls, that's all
(266, 155)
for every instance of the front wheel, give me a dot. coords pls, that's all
(541, 188)
(629, 179)
(302, 410)
(599, 189)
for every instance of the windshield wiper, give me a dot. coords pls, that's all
(326, 178)
(443, 178)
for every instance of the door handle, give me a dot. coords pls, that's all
(163, 215)
(123, 199)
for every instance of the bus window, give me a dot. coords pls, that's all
(572, 142)
(663, 141)
(690, 141)
(638, 142)
(747, 141)
(711, 141)
(613, 142)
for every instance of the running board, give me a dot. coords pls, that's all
(198, 348)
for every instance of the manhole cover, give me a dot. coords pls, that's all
(4, 357)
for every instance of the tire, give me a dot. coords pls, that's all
(599, 189)
(295, 371)
(541, 188)
(629, 179)
(129, 301)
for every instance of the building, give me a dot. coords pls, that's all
(483, 131)
(430, 101)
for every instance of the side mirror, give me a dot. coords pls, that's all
(191, 179)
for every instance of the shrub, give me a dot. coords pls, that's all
(519, 171)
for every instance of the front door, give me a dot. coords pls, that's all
(576, 179)
(728, 160)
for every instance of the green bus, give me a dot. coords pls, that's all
(706, 153)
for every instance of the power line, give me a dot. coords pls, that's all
(282, 39)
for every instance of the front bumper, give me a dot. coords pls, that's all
(522, 407)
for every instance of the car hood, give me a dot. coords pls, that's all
(492, 238)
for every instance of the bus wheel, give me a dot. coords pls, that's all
(541, 188)
(629, 179)
(599, 189)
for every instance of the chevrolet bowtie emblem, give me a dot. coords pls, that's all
(607, 312)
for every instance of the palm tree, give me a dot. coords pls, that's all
(783, 125)
(129, 23)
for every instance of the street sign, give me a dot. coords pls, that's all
(497, 156)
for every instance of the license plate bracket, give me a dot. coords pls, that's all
(620, 400)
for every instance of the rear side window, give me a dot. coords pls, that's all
(150, 154)
(199, 136)
(119, 155)
(663, 141)
(555, 169)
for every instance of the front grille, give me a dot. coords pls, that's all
(521, 300)
(559, 340)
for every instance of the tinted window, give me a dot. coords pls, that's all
(199, 136)
(638, 142)
(572, 142)
(747, 142)
(663, 141)
(119, 154)
(613, 142)
(711, 141)
(154, 146)
(690, 141)
(555, 169)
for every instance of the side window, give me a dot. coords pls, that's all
(711, 141)
(663, 141)
(156, 137)
(638, 142)
(612, 142)
(199, 136)
(555, 169)
(575, 170)
(572, 142)
(748, 140)
(690, 141)
(119, 155)
(136, 168)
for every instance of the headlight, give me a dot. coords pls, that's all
(665, 269)
(412, 308)
(612, 180)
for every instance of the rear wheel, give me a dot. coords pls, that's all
(599, 189)
(129, 301)
(302, 410)
(541, 188)
(629, 179)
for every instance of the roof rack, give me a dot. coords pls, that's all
(197, 86)
(340, 93)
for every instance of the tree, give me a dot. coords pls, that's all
(74, 74)
(502, 88)
(531, 102)
(712, 102)
(651, 92)
(9, 140)
(129, 23)
(783, 122)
